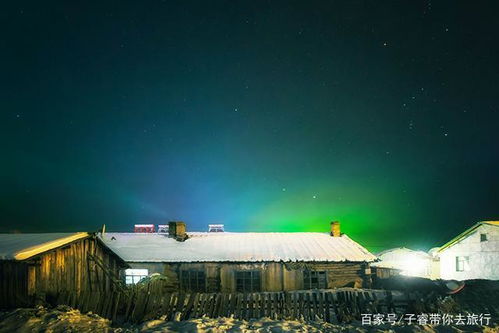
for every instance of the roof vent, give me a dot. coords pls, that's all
(215, 228)
(162, 228)
(144, 228)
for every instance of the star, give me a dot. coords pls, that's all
(314, 197)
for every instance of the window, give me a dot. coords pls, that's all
(193, 280)
(462, 263)
(483, 237)
(314, 279)
(248, 281)
(132, 275)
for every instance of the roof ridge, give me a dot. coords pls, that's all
(46, 246)
(466, 233)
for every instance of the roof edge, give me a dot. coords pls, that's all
(44, 247)
(252, 262)
(466, 233)
(98, 238)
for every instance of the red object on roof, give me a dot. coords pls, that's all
(145, 228)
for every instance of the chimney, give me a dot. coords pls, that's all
(335, 229)
(176, 229)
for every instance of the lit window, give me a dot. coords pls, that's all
(314, 279)
(483, 237)
(192, 280)
(248, 281)
(462, 264)
(132, 275)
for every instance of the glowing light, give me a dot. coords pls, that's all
(413, 265)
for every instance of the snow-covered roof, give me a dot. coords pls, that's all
(402, 251)
(236, 247)
(392, 258)
(24, 246)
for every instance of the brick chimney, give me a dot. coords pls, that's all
(176, 229)
(335, 229)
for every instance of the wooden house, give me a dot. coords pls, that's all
(244, 262)
(46, 264)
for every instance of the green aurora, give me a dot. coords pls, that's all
(275, 116)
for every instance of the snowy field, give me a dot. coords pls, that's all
(65, 319)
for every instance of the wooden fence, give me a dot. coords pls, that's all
(140, 304)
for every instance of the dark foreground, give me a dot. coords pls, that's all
(65, 319)
(478, 297)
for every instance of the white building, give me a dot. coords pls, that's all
(474, 254)
(408, 262)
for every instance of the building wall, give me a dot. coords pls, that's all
(71, 268)
(483, 256)
(274, 276)
(67, 268)
(13, 284)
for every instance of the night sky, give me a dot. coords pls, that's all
(262, 115)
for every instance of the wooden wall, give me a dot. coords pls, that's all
(275, 276)
(67, 268)
(70, 268)
(13, 284)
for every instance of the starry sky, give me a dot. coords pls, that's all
(262, 115)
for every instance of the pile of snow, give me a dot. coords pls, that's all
(270, 325)
(60, 319)
(64, 319)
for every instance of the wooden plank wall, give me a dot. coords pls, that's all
(13, 284)
(66, 268)
(275, 276)
(344, 274)
(69, 269)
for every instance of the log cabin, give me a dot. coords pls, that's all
(244, 262)
(40, 266)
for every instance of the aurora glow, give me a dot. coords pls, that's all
(264, 116)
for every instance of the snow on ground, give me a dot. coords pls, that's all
(65, 319)
(60, 319)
